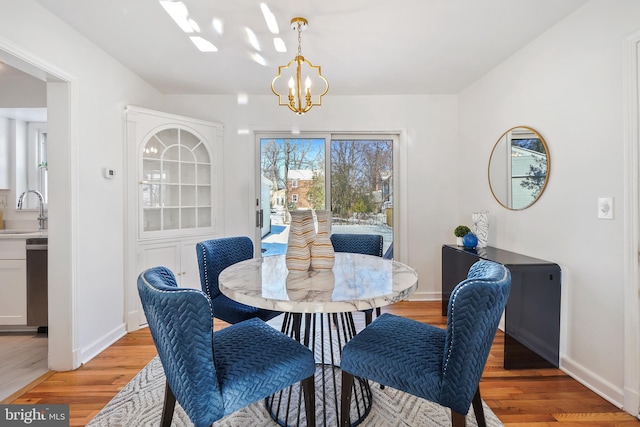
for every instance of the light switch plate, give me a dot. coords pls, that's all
(3, 200)
(605, 207)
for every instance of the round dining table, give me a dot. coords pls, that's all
(318, 307)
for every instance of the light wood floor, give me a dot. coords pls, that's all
(23, 359)
(531, 398)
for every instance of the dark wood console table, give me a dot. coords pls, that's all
(532, 315)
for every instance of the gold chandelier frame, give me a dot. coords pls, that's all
(298, 100)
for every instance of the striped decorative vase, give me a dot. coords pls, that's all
(322, 253)
(301, 234)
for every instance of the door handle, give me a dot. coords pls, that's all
(259, 218)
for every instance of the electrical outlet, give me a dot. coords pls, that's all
(605, 207)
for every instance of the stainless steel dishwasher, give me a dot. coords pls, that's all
(37, 283)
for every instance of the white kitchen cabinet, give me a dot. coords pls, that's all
(13, 282)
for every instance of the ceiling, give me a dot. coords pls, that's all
(365, 47)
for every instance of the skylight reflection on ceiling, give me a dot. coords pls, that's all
(258, 58)
(203, 45)
(218, 25)
(253, 39)
(278, 43)
(179, 13)
(270, 19)
(194, 25)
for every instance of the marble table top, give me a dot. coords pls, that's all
(357, 282)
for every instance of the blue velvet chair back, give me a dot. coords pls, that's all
(181, 323)
(368, 244)
(473, 315)
(217, 254)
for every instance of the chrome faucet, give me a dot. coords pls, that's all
(42, 219)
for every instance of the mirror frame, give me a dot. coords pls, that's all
(546, 181)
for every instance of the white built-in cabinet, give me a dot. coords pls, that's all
(13, 282)
(177, 255)
(174, 187)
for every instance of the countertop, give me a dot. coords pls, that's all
(22, 233)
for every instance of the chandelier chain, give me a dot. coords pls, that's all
(299, 40)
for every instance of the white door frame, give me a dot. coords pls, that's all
(631, 335)
(62, 210)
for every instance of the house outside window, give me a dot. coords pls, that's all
(294, 198)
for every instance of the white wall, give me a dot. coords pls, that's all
(22, 92)
(430, 125)
(86, 218)
(568, 85)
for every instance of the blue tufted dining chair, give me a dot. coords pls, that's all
(214, 256)
(442, 366)
(213, 374)
(367, 244)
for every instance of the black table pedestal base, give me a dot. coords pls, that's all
(325, 335)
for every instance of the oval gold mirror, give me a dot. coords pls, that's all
(519, 168)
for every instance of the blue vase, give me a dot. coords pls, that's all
(469, 240)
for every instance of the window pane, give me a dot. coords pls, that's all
(168, 136)
(293, 174)
(171, 219)
(187, 173)
(188, 139)
(362, 187)
(188, 217)
(204, 217)
(204, 174)
(200, 153)
(152, 219)
(153, 149)
(152, 171)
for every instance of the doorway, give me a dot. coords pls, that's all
(61, 279)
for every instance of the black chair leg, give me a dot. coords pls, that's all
(345, 407)
(308, 388)
(168, 406)
(458, 420)
(478, 409)
(368, 317)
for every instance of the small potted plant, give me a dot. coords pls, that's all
(461, 231)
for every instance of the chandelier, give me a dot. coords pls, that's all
(299, 100)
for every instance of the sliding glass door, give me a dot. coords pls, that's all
(350, 175)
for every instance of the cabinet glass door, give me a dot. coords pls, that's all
(176, 182)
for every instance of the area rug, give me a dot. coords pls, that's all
(139, 403)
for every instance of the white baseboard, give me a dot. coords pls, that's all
(595, 383)
(18, 328)
(101, 344)
(425, 296)
(133, 321)
(632, 402)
